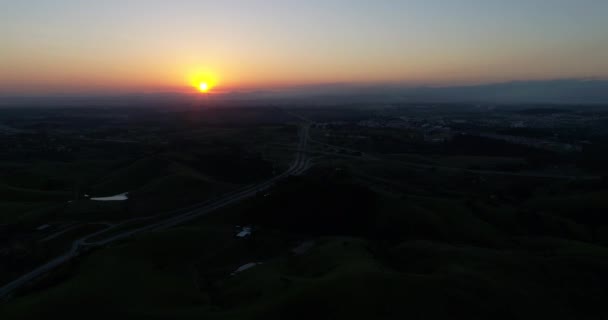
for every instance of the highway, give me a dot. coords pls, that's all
(301, 163)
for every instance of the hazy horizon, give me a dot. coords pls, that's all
(556, 91)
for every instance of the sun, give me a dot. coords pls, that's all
(203, 81)
(203, 87)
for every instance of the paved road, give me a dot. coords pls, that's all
(299, 166)
(74, 227)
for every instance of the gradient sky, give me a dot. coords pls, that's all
(77, 46)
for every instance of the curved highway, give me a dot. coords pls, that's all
(301, 163)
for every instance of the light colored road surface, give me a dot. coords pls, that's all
(301, 163)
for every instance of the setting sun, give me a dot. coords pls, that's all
(203, 81)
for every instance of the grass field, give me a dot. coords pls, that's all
(421, 257)
(401, 230)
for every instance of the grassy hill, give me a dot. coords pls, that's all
(416, 257)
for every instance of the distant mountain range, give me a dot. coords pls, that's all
(555, 91)
(566, 91)
(517, 92)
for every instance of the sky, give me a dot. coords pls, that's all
(92, 46)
